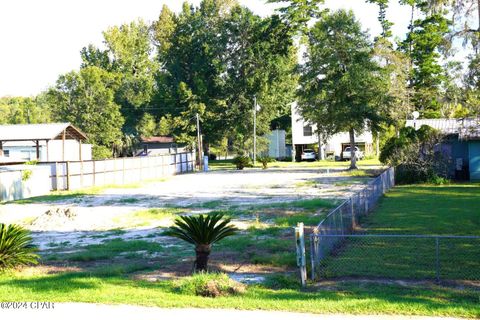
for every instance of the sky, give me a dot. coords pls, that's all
(39, 40)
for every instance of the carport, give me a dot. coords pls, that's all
(37, 133)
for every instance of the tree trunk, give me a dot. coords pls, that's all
(202, 252)
(353, 156)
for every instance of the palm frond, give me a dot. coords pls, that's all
(202, 229)
(16, 247)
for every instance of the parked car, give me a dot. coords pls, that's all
(309, 155)
(347, 154)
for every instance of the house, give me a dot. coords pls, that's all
(47, 142)
(304, 137)
(461, 146)
(158, 145)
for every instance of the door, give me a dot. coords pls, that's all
(474, 160)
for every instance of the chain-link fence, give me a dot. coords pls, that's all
(344, 218)
(418, 257)
(337, 252)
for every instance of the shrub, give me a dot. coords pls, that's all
(416, 155)
(16, 247)
(26, 174)
(209, 285)
(212, 157)
(242, 162)
(281, 281)
(265, 160)
(202, 231)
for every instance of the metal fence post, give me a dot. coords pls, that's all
(300, 243)
(437, 259)
(313, 250)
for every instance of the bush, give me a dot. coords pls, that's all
(281, 281)
(212, 157)
(242, 162)
(15, 247)
(416, 156)
(265, 160)
(209, 285)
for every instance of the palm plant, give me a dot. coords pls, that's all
(202, 231)
(16, 247)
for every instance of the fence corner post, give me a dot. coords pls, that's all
(300, 244)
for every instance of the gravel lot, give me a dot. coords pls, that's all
(78, 217)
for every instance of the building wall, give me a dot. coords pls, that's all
(27, 151)
(333, 145)
(474, 160)
(276, 144)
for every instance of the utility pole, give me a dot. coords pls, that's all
(254, 130)
(199, 145)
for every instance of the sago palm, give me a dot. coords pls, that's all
(16, 247)
(202, 231)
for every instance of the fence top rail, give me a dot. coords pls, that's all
(395, 236)
(333, 211)
(374, 181)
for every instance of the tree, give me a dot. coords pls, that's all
(342, 87)
(215, 59)
(128, 56)
(298, 13)
(86, 99)
(147, 127)
(19, 110)
(382, 18)
(202, 231)
(415, 156)
(426, 37)
(472, 86)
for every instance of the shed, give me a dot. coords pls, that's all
(462, 144)
(158, 145)
(42, 136)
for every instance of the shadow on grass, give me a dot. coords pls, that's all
(354, 298)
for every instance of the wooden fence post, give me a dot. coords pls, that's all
(56, 176)
(68, 175)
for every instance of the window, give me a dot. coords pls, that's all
(307, 131)
(6, 153)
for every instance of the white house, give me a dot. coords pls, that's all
(304, 137)
(43, 142)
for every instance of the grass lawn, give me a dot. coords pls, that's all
(341, 298)
(228, 164)
(421, 210)
(115, 270)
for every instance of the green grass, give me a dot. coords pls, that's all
(447, 210)
(421, 210)
(351, 298)
(310, 205)
(228, 164)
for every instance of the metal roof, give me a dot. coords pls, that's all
(43, 131)
(467, 128)
(159, 139)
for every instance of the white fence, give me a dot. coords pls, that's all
(20, 181)
(74, 175)
(96, 173)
